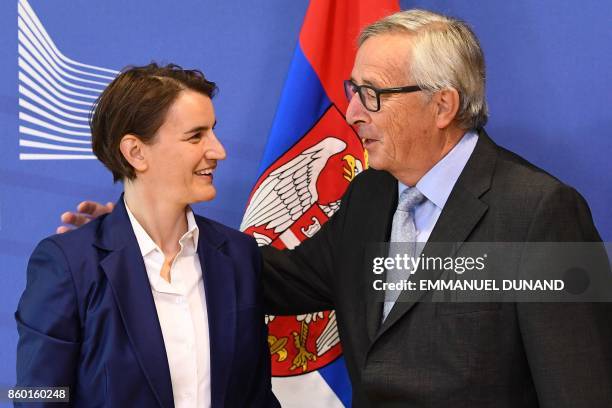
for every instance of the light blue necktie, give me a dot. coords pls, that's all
(403, 230)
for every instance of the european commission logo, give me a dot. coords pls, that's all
(56, 94)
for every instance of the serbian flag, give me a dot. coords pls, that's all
(311, 156)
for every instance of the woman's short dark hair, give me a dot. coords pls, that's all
(136, 102)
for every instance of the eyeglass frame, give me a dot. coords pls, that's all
(349, 85)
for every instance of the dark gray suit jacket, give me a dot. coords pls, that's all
(454, 354)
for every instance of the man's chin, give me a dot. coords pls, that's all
(375, 164)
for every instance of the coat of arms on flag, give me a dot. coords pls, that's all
(291, 201)
(311, 156)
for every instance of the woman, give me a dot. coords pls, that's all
(150, 305)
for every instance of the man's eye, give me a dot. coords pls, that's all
(370, 93)
(195, 138)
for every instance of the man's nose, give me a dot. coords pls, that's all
(355, 112)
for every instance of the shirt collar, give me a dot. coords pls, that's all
(193, 231)
(437, 184)
(146, 243)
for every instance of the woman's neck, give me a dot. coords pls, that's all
(163, 220)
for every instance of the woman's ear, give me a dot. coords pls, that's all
(132, 149)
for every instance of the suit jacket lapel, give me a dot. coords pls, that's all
(219, 286)
(126, 273)
(380, 217)
(459, 216)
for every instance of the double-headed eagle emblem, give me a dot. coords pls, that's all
(281, 199)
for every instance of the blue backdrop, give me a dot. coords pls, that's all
(549, 88)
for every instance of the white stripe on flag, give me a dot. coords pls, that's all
(305, 391)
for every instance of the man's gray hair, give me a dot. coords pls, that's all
(446, 54)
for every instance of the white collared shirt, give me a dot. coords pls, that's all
(182, 314)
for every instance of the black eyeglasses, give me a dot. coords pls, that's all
(370, 96)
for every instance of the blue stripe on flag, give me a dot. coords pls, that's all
(336, 375)
(303, 101)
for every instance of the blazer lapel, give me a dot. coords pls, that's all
(459, 216)
(126, 273)
(380, 217)
(219, 287)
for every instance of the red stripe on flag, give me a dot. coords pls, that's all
(329, 38)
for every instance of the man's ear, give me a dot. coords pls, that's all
(132, 149)
(447, 105)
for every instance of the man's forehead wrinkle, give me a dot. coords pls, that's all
(383, 65)
(386, 74)
(398, 69)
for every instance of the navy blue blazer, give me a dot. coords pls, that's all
(87, 319)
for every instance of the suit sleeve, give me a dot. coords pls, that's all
(262, 395)
(302, 280)
(568, 344)
(48, 322)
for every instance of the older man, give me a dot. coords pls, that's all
(417, 99)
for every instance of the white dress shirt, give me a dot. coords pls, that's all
(182, 314)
